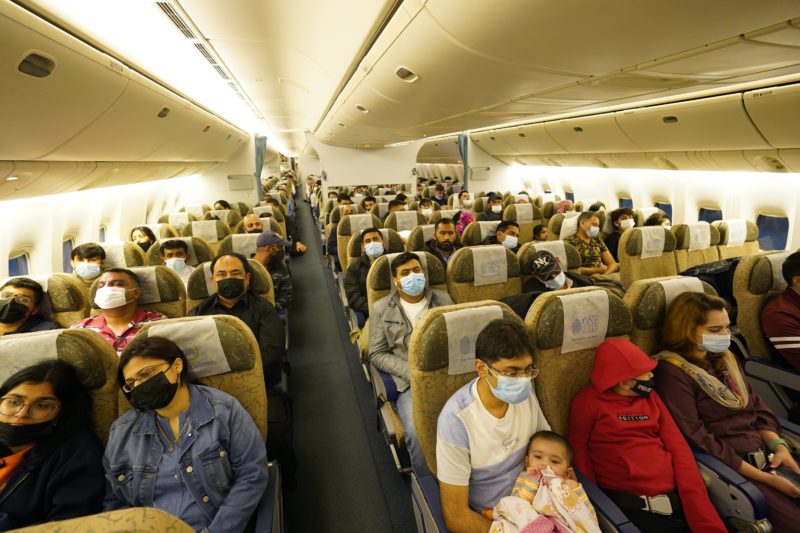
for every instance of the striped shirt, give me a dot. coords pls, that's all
(780, 321)
(99, 325)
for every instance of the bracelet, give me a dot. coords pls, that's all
(774, 443)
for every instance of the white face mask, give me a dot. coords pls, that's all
(510, 242)
(628, 223)
(176, 263)
(426, 212)
(467, 202)
(497, 208)
(110, 297)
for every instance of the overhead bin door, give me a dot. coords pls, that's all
(597, 134)
(776, 114)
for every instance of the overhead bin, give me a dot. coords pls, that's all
(595, 134)
(717, 123)
(530, 139)
(490, 142)
(776, 113)
(440, 151)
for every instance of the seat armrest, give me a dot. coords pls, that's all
(385, 389)
(603, 505)
(731, 477)
(767, 370)
(269, 513)
(430, 491)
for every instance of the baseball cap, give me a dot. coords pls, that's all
(544, 264)
(268, 238)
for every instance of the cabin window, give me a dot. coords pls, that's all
(66, 254)
(666, 207)
(570, 195)
(709, 214)
(18, 265)
(102, 235)
(772, 232)
(626, 202)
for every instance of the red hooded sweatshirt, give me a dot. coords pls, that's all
(631, 443)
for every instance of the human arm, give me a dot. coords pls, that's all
(588, 271)
(458, 516)
(352, 288)
(380, 353)
(611, 265)
(283, 292)
(582, 418)
(782, 328)
(271, 342)
(782, 455)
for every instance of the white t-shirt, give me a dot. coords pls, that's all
(475, 448)
(414, 311)
(185, 273)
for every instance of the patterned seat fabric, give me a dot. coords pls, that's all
(139, 519)
(461, 278)
(199, 251)
(727, 249)
(199, 287)
(346, 228)
(392, 244)
(68, 300)
(633, 267)
(379, 279)
(686, 258)
(162, 291)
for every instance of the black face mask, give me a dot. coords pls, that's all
(644, 387)
(12, 435)
(154, 393)
(444, 246)
(12, 311)
(145, 245)
(230, 288)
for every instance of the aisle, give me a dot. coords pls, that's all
(346, 480)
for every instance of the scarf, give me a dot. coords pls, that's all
(731, 394)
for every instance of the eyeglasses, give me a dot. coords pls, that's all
(19, 298)
(530, 372)
(12, 405)
(141, 376)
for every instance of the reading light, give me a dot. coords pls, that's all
(12, 178)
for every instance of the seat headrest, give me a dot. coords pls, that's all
(419, 236)
(638, 242)
(658, 295)
(522, 213)
(163, 231)
(197, 211)
(208, 230)
(336, 214)
(462, 264)
(123, 254)
(569, 257)
(405, 220)
(351, 224)
(380, 278)
(475, 232)
(735, 232)
(230, 217)
(158, 283)
(177, 219)
(766, 274)
(199, 251)
(273, 213)
(201, 287)
(683, 235)
(240, 243)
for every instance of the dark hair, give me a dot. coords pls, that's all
(28, 283)
(503, 339)
(370, 230)
(441, 221)
(369, 198)
(147, 231)
(791, 267)
(596, 206)
(688, 311)
(394, 203)
(155, 348)
(88, 250)
(331, 192)
(343, 197)
(240, 257)
(173, 244)
(401, 260)
(586, 215)
(463, 191)
(425, 201)
(616, 214)
(76, 404)
(656, 219)
(552, 436)
(223, 203)
(438, 187)
(537, 229)
(400, 197)
(502, 226)
(133, 277)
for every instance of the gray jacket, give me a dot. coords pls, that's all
(390, 331)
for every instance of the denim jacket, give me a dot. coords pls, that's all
(224, 465)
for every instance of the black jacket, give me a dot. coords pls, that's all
(62, 483)
(432, 248)
(35, 323)
(612, 243)
(355, 284)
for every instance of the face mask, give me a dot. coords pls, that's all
(510, 242)
(628, 223)
(512, 390)
(440, 197)
(12, 435)
(594, 231)
(145, 245)
(230, 287)
(110, 297)
(715, 343)
(374, 249)
(12, 311)
(87, 270)
(644, 387)
(667, 227)
(155, 393)
(176, 263)
(445, 246)
(468, 202)
(496, 208)
(557, 282)
(427, 212)
(413, 284)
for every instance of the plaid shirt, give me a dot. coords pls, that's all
(99, 325)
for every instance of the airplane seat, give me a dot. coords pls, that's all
(404, 220)
(198, 211)
(162, 291)
(140, 519)
(641, 214)
(199, 251)
(548, 211)
(380, 210)
(273, 224)
(124, 254)
(526, 216)
(230, 217)
(350, 225)
(567, 255)
(696, 244)
(240, 243)
(476, 232)
(277, 214)
(439, 214)
(94, 360)
(737, 237)
(242, 207)
(211, 231)
(478, 204)
(561, 225)
(542, 199)
(200, 287)
(644, 253)
(65, 298)
(392, 244)
(483, 273)
(178, 220)
(336, 214)
(163, 231)
(419, 236)
(480, 194)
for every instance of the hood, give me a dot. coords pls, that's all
(618, 360)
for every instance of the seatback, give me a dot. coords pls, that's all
(200, 287)
(198, 210)
(230, 217)
(380, 210)
(392, 244)
(222, 353)
(646, 253)
(643, 213)
(123, 254)
(584, 205)
(543, 199)
(475, 232)
(443, 213)
(691, 252)
(65, 298)
(404, 220)
(178, 219)
(94, 360)
(483, 273)
(648, 301)
(479, 204)
(211, 231)
(527, 216)
(244, 244)
(241, 207)
(562, 225)
(737, 238)
(565, 361)
(139, 519)
(349, 225)
(163, 231)
(276, 214)
(419, 236)
(199, 251)
(268, 223)
(757, 278)
(379, 278)
(548, 211)
(162, 291)
(441, 355)
(567, 255)
(336, 214)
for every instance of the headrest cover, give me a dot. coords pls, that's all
(463, 327)
(585, 320)
(195, 210)
(674, 287)
(405, 220)
(206, 230)
(653, 305)
(179, 220)
(524, 212)
(737, 231)
(490, 265)
(200, 343)
(359, 223)
(148, 284)
(258, 210)
(653, 238)
(699, 235)
(428, 231)
(488, 228)
(557, 248)
(244, 244)
(776, 262)
(21, 351)
(222, 214)
(115, 254)
(569, 225)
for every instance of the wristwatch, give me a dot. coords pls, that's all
(774, 443)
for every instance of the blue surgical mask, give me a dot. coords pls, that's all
(510, 242)
(176, 263)
(557, 282)
(413, 284)
(715, 343)
(374, 249)
(511, 390)
(594, 231)
(87, 270)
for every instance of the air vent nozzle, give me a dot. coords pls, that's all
(163, 113)
(205, 130)
(671, 119)
(36, 65)
(361, 108)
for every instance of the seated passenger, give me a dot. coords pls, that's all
(464, 219)
(292, 231)
(425, 207)
(118, 293)
(493, 209)
(50, 460)
(464, 199)
(21, 312)
(539, 233)
(705, 389)
(252, 224)
(484, 428)
(420, 191)
(174, 254)
(597, 207)
(393, 319)
(548, 274)
(270, 252)
(368, 203)
(563, 206)
(190, 450)
(332, 246)
(438, 194)
(621, 219)
(522, 198)
(355, 281)
(780, 318)
(403, 199)
(144, 237)
(88, 261)
(230, 275)
(221, 204)
(507, 234)
(395, 206)
(625, 441)
(595, 258)
(444, 242)
(659, 218)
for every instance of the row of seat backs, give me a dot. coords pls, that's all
(139, 519)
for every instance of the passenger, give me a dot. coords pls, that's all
(121, 318)
(625, 441)
(522, 198)
(359, 191)
(369, 203)
(144, 237)
(464, 199)
(420, 191)
(464, 219)
(346, 208)
(445, 241)
(88, 261)
(595, 258)
(425, 207)
(438, 194)
(484, 428)
(659, 218)
(403, 199)
(705, 389)
(333, 195)
(190, 450)
(20, 307)
(221, 204)
(493, 209)
(780, 318)
(539, 233)
(355, 281)
(230, 275)
(252, 224)
(621, 219)
(597, 207)
(51, 460)
(292, 231)
(563, 206)
(395, 206)
(174, 254)
(507, 234)
(270, 252)
(393, 319)
(548, 274)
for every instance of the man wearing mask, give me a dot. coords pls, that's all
(270, 252)
(230, 276)
(444, 242)
(507, 234)
(438, 194)
(355, 280)
(464, 199)
(252, 224)
(426, 207)
(595, 258)
(393, 319)
(621, 219)
(493, 209)
(88, 261)
(20, 302)
(174, 254)
(118, 293)
(547, 274)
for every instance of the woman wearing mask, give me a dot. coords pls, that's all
(704, 387)
(187, 449)
(50, 465)
(144, 237)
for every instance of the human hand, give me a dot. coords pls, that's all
(784, 486)
(782, 457)
(302, 248)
